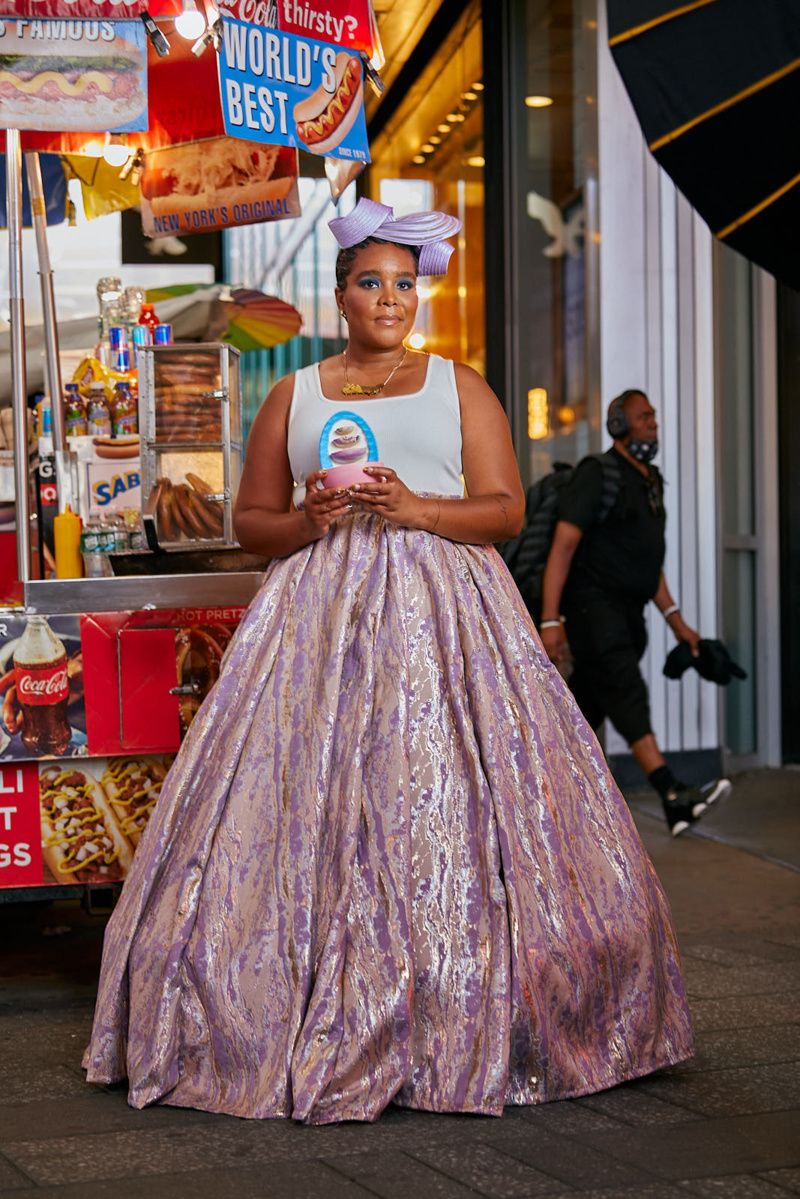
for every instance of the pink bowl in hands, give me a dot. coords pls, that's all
(346, 476)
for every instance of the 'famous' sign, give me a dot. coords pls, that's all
(292, 91)
(82, 75)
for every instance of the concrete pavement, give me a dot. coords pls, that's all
(727, 1124)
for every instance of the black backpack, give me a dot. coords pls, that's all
(526, 554)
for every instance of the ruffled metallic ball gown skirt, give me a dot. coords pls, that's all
(388, 865)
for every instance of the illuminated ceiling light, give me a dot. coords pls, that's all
(417, 341)
(538, 101)
(419, 159)
(428, 148)
(477, 87)
(455, 117)
(443, 128)
(435, 141)
(116, 152)
(190, 23)
(538, 414)
(566, 415)
(470, 96)
(476, 160)
(462, 292)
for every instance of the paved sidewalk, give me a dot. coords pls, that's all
(727, 1125)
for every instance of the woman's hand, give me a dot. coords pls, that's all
(322, 506)
(391, 499)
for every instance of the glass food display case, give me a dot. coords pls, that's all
(191, 444)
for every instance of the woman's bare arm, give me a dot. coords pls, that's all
(263, 519)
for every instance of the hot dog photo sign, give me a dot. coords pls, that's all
(282, 89)
(64, 75)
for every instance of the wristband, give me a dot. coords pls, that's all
(550, 624)
(671, 611)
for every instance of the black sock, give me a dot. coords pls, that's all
(663, 780)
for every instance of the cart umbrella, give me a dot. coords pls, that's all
(716, 87)
(241, 316)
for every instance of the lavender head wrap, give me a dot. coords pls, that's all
(424, 229)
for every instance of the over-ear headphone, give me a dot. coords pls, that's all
(616, 420)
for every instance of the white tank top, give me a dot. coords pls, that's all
(418, 435)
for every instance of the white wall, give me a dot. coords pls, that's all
(656, 332)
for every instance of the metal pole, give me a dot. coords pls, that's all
(19, 378)
(48, 296)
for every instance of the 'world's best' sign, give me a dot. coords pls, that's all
(287, 90)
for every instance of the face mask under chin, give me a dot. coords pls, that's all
(642, 451)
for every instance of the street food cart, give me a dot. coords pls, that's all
(100, 677)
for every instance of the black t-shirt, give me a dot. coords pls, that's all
(622, 555)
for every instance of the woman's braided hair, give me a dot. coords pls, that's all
(346, 257)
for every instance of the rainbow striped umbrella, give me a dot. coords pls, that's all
(240, 316)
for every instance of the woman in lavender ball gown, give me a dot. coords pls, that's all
(389, 864)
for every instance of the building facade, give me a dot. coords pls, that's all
(581, 271)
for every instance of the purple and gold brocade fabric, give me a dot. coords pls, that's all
(388, 864)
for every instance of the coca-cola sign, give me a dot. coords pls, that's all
(44, 685)
(343, 22)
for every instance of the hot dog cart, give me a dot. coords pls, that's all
(101, 677)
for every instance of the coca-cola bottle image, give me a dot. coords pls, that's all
(40, 670)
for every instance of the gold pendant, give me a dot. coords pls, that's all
(355, 389)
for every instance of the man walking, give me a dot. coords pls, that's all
(600, 574)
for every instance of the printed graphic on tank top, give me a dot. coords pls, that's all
(347, 440)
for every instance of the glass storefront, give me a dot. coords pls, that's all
(546, 60)
(431, 155)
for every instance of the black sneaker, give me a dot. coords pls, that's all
(682, 806)
(716, 790)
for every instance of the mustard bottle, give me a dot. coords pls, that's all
(67, 537)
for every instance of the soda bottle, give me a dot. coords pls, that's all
(99, 417)
(74, 412)
(40, 676)
(147, 316)
(124, 412)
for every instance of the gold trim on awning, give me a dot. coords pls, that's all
(712, 112)
(627, 34)
(757, 208)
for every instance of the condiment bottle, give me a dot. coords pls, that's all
(99, 417)
(67, 538)
(75, 424)
(124, 412)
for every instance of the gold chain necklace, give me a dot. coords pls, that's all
(356, 389)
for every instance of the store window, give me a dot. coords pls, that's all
(548, 57)
(430, 154)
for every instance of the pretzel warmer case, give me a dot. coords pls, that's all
(101, 677)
